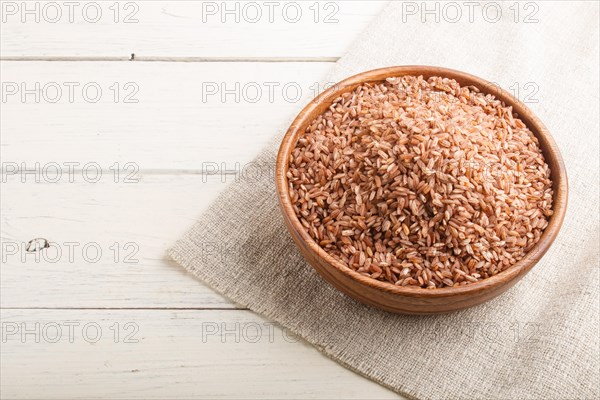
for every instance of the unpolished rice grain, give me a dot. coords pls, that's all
(421, 182)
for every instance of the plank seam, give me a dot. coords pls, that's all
(128, 308)
(134, 58)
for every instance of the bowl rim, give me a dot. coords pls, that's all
(550, 152)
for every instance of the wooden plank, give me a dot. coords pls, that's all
(169, 116)
(153, 213)
(157, 354)
(109, 242)
(184, 28)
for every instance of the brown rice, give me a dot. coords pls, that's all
(421, 182)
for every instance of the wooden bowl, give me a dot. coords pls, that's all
(416, 300)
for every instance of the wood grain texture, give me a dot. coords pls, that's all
(142, 218)
(187, 29)
(161, 354)
(175, 125)
(412, 300)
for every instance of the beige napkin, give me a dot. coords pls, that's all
(540, 339)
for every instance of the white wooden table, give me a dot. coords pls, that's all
(111, 160)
